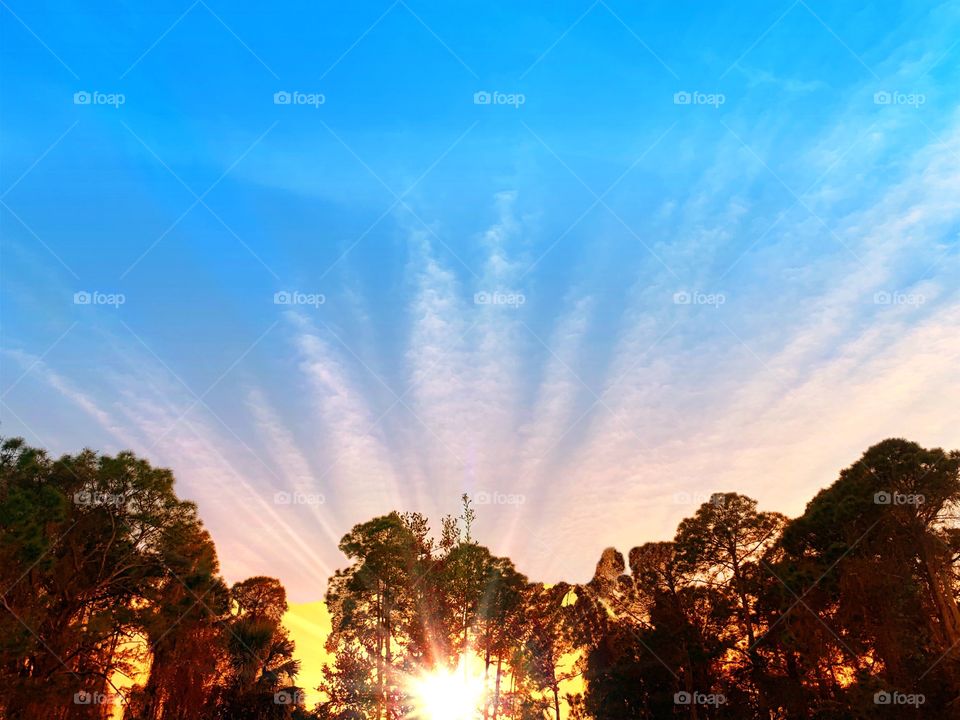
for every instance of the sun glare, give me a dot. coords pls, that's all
(448, 695)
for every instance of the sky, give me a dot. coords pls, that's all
(587, 262)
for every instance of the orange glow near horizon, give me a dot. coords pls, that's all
(448, 694)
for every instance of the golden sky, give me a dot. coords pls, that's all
(309, 625)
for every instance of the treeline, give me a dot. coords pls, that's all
(848, 611)
(105, 572)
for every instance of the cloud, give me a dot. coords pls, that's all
(772, 393)
(153, 414)
(417, 384)
(554, 409)
(464, 359)
(36, 367)
(358, 463)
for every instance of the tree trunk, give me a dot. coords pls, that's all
(757, 672)
(688, 682)
(496, 692)
(388, 665)
(486, 678)
(744, 603)
(944, 600)
(380, 693)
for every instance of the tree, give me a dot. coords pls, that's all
(370, 602)
(349, 686)
(183, 628)
(104, 569)
(500, 623)
(549, 639)
(722, 545)
(260, 668)
(86, 541)
(875, 556)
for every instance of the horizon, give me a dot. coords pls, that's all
(667, 253)
(547, 277)
(895, 470)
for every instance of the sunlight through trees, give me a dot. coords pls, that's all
(848, 611)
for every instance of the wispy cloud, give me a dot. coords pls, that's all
(761, 294)
(358, 464)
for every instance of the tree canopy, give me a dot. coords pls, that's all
(848, 611)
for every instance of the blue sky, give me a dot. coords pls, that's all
(687, 248)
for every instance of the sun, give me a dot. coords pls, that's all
(448, 694)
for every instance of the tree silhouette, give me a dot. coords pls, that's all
(99, 557)
(848, 611)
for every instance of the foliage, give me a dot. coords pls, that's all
(98, 556)
(848, 611)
